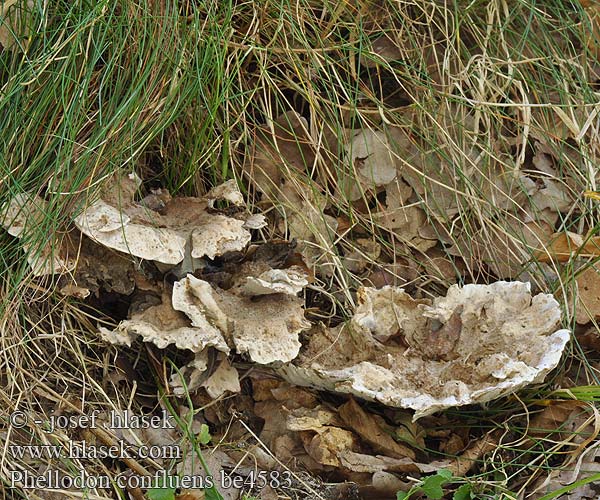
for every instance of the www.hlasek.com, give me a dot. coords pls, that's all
(53, 479)
(85, 450)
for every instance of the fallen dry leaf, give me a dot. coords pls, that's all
(326, 446)
(574, 424)
(364, 253)
(562, 247)
(389, 484)
(587, 301)
(360, 462)
(275, 401)
(224, 379)
(372, 163)
(23, 214)
(559, 478)
(216, 461)
(311, 419)
(563, 421)
(191, 376)
(367, 428)
(468, 459)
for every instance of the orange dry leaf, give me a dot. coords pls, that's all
(564, 246)
(570, 423)
(366, 426)
(587, 304)
(464, 463)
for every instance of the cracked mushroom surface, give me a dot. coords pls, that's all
(164, 234)
(478, 343)
(162, 325)
(266, 327)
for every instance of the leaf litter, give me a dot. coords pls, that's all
(422, 354)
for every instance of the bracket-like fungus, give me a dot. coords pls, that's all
(478, 343)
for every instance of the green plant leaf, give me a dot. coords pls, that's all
(462, 493)
(445, 474)
(402, 495)
(161, 493)
(204, 436)
(212, 494)
(432, 485)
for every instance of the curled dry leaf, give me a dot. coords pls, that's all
(201, 372)
(360, 462)
(191, 376)
(215, 460)
(119, 222)
(476, 344)
(567, 421)
(275, 400)
(366, 426)
(564, 246)
(404, 216)
(372, 163)
(574, 424)
(406, 219)
(265, 327)
(224, 379)
(23, 214)
(314, 419)
(326, 446)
